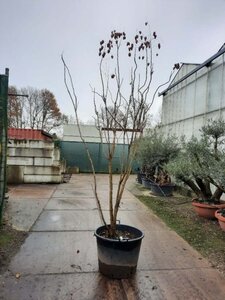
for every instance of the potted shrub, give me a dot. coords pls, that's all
(153, 154)
(121, 115)
(200, 165)
(220, 215)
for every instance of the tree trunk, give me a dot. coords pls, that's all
(217, 194)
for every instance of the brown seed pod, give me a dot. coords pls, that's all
(112, 76)
(128, 43)
(129, 54)
(143, 57)
(154, 35)
(112, 56)
(146, 23)
(102, 42)
(159, 46)
(103, 54)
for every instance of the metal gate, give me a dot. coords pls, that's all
(3, 136)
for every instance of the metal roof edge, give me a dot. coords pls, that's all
(205, 63)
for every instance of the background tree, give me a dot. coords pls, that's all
(38, 111)
(15, 108)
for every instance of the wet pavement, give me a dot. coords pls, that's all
(59, 258)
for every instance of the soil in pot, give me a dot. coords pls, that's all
(118, 257)
(206, 210)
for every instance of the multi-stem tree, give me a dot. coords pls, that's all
(201, 163)
(126, 72)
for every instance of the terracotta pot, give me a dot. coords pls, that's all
(206, 210)
(221, 219)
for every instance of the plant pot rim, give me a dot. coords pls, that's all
(207, 205)
(165, 184)
(117, 240)
(219, 216)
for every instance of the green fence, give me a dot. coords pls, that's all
(3, 136)
(75, 155)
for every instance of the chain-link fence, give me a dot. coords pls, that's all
(3, 136)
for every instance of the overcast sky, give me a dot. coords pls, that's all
(34, 33)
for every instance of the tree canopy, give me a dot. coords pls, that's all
(39, 110)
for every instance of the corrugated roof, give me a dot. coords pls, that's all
(204, 64)
(28, 134)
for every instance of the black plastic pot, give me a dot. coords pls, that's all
(162, 190)
(146, 183)
(118, 258)
(140, 176)
(139, 180)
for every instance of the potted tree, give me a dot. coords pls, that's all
(121, 111)
(154, 153)
(200, 165)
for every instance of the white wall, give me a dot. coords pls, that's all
(191, 103)
(91, 134)
(33, 162)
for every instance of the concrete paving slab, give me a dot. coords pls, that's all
(82, 185)
(22, 213)
(88, 192)
(89, 286)
(147, 285)
(59, 258)
(31, 191)
(67, 220)
(55, 220)
(89, 204)
(72, 252)
(55, 253)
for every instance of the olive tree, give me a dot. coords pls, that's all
(201, 163)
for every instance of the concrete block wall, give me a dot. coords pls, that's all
(34, 162)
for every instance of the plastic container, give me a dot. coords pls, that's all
(118, 258)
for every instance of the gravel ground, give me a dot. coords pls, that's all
(10, 242)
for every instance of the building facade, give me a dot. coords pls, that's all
(196, 95)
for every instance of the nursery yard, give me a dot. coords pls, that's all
(58, 259)
(176, 211)
(178, 214)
